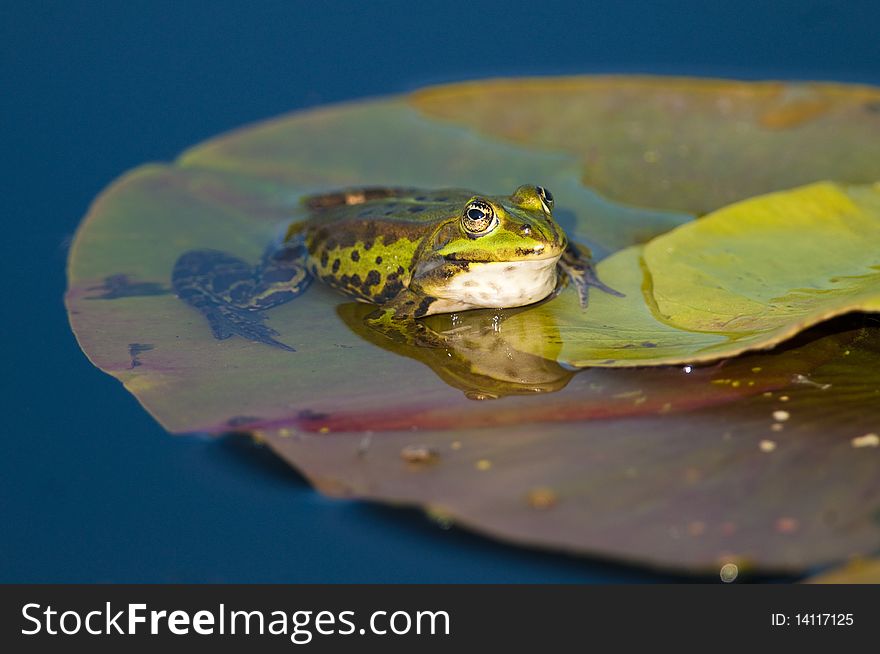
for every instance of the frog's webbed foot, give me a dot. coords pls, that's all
(233, 295)
(397, 320)
(227, 321)
(406, 331)
(577, 264)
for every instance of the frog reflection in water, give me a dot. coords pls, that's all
(411, 252)
(486, 356)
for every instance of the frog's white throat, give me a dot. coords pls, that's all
(497, 285)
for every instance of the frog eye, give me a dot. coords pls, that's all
(478, 217)
(546, 197)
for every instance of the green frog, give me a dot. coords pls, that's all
(411, 252)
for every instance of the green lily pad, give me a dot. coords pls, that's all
(742, 278)
(622, 463)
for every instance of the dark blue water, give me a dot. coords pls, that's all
(91, 489)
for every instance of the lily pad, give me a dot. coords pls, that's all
(667, 466)
(677, 143)
(859, 571)
(742, 278)
(686, 488)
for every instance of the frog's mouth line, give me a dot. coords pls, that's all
(525, 257)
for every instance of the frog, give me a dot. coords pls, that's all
(410, 252)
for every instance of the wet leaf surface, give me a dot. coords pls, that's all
(680, 467)
(742, 278)
(775, 481)
(687, 144)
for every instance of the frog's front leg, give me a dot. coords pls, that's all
(577, 265)
(233, 295)
(398, 320)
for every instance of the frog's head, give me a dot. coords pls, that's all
(511, 228)
(496, 252)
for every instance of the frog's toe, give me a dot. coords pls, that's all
(427, 337)
(405, 332)
(587, 280)
(219, 328)
(226, 321)
(583, 295)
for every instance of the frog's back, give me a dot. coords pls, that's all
(363, 242)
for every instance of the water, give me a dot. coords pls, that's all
(92, 489)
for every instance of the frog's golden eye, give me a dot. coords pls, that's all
(478, 217)
(546, 197)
